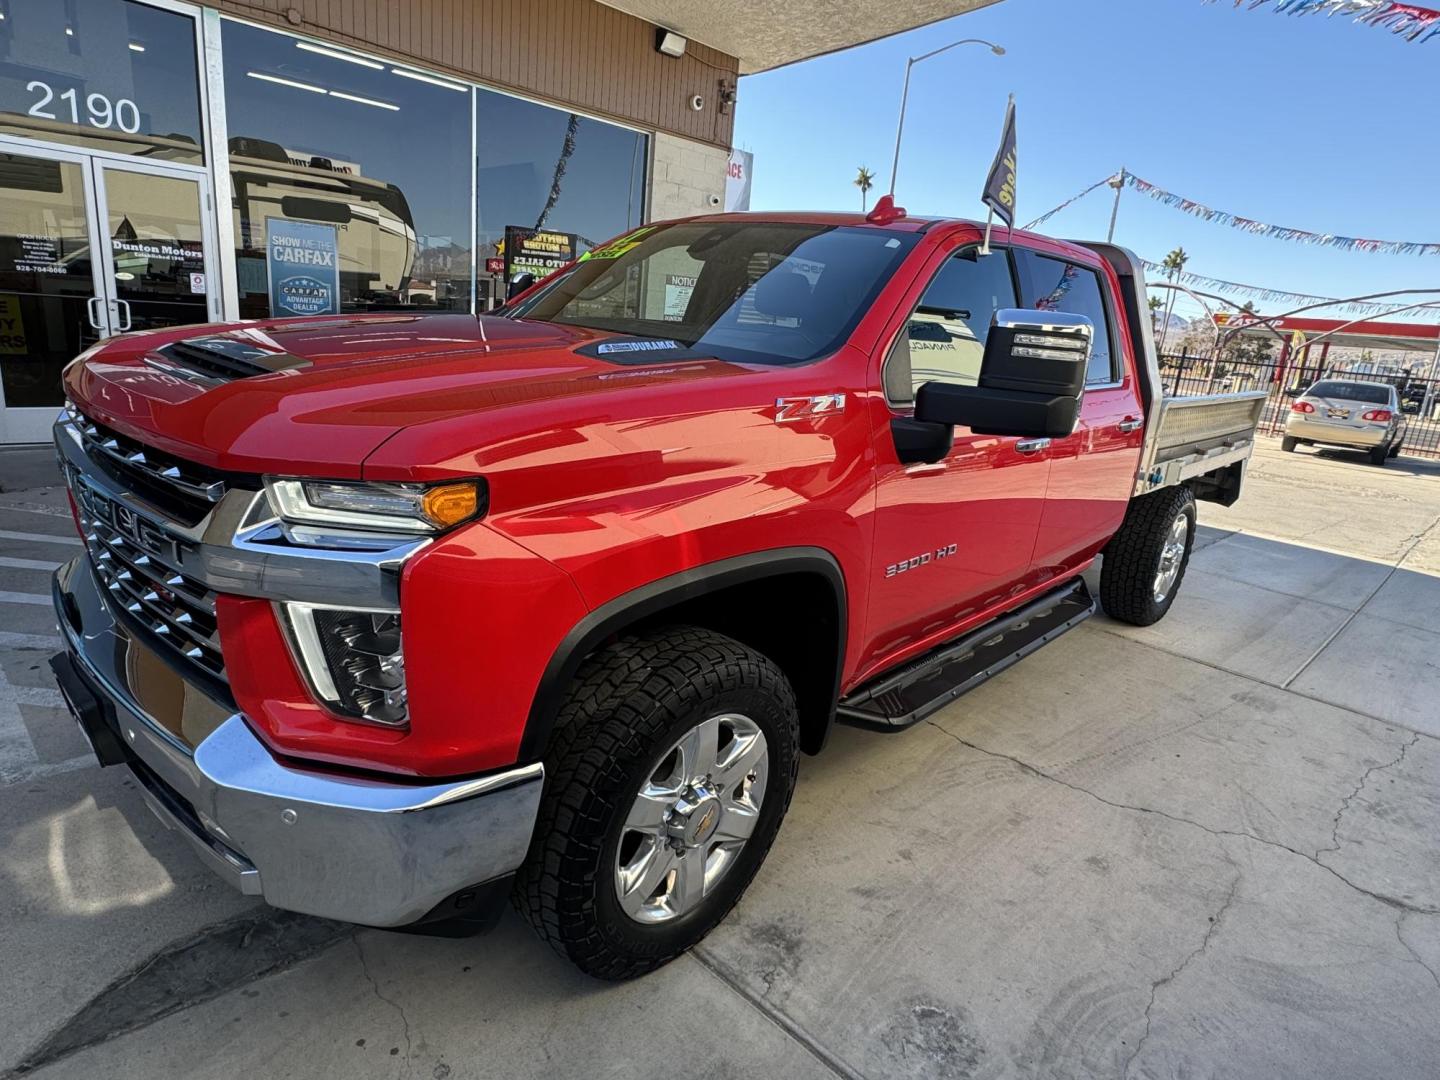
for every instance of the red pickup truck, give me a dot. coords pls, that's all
(394, 616)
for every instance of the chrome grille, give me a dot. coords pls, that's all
(138, 563)
(187, 489)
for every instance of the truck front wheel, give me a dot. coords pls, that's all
(1145, 560)
(672, 766)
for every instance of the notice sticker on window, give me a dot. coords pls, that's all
(197, 284)
(678, 288)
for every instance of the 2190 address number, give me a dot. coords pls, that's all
(99, 111)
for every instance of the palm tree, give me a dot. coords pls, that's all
(567, 149)
(864, 180)
(1173, 265)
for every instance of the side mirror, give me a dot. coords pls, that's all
(1032, 374)
(519, 283)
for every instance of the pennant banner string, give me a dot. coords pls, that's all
(1073, 199)
(1410, 21)
(1278, 232)
(1261, 292)
(1220, 285)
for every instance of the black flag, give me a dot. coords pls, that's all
(999, 193)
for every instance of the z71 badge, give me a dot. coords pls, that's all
(790, 409)
(917, 561)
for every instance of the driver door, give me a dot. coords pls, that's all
(955, 537)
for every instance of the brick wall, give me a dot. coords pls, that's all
(688, 178)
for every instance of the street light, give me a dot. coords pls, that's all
(998, 50)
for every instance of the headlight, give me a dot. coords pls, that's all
(352, 659)
(424, 508)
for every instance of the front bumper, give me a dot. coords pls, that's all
(1335, 434)
(346, 847)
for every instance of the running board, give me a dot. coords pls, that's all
(910, 693)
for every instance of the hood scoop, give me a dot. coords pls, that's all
(217, 359)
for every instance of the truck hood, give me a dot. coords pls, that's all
(317, 396)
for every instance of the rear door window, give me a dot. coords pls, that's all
(1058, 285)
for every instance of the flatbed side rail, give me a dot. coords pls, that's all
(1192, 436)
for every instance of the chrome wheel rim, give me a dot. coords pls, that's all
(1172, 554)
(694, 813)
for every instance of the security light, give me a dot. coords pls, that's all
(669, 42)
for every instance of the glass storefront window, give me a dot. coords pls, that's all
(541, 168)
(102, 74)
(46, 275)
(352, 179)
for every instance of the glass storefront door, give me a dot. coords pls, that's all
(155, 246)
(90, 246)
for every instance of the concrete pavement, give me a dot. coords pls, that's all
(1203, 848)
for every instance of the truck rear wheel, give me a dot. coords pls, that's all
(1145, 560)
(672, 766)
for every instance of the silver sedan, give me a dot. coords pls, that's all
(1352, 413)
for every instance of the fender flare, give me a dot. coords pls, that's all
(629, 608)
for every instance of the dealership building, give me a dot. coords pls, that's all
(164, 163)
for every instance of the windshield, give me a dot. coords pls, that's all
(749, 291)
(1373, 393)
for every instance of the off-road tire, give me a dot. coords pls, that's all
(1379, 455)
(1288, 444)
(631, 700)
(1132, 557)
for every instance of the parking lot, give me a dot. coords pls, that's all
(1206, 848)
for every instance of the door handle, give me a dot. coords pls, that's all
(90, 308)
(123, 307)
(1030, 446)
(1130, 423)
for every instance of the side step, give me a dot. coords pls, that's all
(910, 693)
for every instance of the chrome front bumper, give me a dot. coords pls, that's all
(346, 847)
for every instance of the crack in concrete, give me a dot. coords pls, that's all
(375, 987)
(1394, 569)
(719, 970)
(1391, 901)
(1345, 802)
(1400, 937)
(1190, 957)
(1102, 628)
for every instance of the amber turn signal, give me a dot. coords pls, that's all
(449, 504)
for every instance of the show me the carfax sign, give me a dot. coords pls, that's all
(303, 262)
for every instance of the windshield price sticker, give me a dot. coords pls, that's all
(616, 248)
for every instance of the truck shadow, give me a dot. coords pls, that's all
(1404, 463)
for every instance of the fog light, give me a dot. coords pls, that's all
(353, 660)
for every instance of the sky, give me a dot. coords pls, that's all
(1309, 122)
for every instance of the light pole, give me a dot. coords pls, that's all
(905, 93)
(1118, 183)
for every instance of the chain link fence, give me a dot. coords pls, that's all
(1186, 374)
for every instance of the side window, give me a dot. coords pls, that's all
(945, 336)
(1057, 285)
